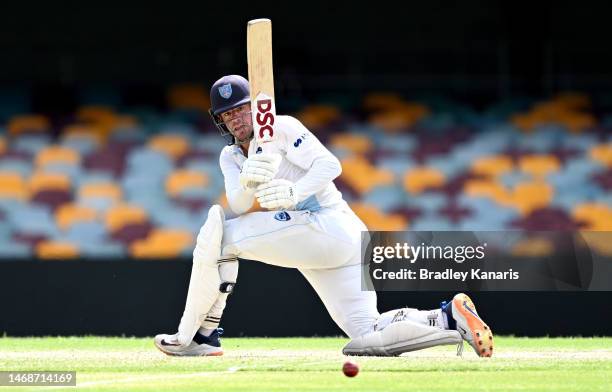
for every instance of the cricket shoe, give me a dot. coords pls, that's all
(200, 346)
(463, 317)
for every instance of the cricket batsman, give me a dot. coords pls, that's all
(308, 226)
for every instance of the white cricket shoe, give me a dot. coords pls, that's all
(207, 346)
(400, 337)
(463, 317)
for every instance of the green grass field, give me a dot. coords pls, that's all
(314, 364)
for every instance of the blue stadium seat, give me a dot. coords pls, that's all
(30, 144)
(10, 251)
(34, 220)
(24, 168)
(102, 250)
(386, 198)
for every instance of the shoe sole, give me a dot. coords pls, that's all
(481, 334)
(203, 354)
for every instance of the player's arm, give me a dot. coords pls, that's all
(241, 182)
(239, 199)
(305, 151)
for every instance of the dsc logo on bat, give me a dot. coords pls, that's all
(265, 113)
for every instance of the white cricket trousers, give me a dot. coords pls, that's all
(324, 246)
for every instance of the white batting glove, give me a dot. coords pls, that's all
(277, 194)
(257, 169)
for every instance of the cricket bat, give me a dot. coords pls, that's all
(261, 82)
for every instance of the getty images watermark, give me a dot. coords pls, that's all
(486, 261)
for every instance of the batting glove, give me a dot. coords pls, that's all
(257, 169)
(277, 194)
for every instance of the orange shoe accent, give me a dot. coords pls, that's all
(217, 354)
(482, 336)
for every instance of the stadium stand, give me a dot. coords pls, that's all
(110, 181)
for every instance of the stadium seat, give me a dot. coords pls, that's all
(602, 153)
(595, 216)
(51, 189)
(362, 176)
(173, 145)
(81, 138)
(3, 145)
(106, 160)
(57, 154)
(375, 219)
(33, 220)
(538, 165)
(357, 144)
(149, 162)
(12, 186)
(492, 166)
(18, 166)
(69, 214)
(123, 214)
(30, 144)
(420, 179)
(102, 250)
(56, 250)
(84, 232)
(529, 196)
(181, 180)
(100, 190)
(12, 250)
(30, 123)
(318, 116)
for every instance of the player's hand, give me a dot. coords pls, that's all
(257, 169)
(277, 194)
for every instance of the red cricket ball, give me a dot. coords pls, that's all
(350, 369)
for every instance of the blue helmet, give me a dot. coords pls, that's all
(228, 93)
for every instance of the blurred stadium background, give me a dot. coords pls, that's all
(469, 117)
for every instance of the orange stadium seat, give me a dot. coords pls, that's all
(602, 153)
(529, 196)
(565, 109)
(382, 101)
(70, 213)
(539, 165)
(492, 166)
(57, 154)
(174, 146)
(56, 250)
(316, 116)
(82, 131)
(361, 175)
(2, 145)
(94, 114)
(598, 241)
(121, 215)
(400, 117)
(184, 179)
(375, 219)
(28, 123)
(142, 249)
(13, 186)
(107, 190)
(486, 188)
(533, 247)
(597, 217)
(103, 119)
(358, 144)
(188, 96)
(162, 243)
(41, 181)
(420, 179)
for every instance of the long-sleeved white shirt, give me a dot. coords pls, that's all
(305, 161)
